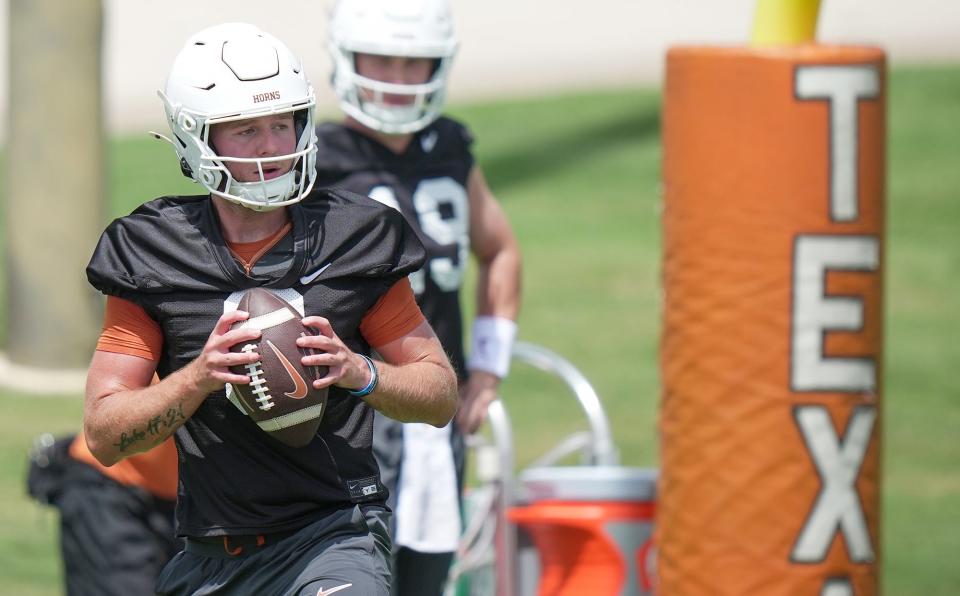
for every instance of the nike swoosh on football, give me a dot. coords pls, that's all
(299, 385)
(322, 592)
(309, 278)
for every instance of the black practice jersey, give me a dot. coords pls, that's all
(169, 257)
(428, 184)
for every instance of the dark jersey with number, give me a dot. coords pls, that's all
(428, 184)
(169, 257)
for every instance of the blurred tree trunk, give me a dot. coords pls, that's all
(55, 180)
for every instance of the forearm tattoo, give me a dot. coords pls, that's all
(156, 430)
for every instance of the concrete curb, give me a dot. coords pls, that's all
(40, 381)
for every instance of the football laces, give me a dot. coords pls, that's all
(257, 381)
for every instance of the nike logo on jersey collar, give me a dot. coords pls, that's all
(322, 592)
(429, 141)
(312, 276)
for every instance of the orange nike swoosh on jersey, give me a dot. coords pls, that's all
(299, 385)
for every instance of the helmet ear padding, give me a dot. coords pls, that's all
(413, 29)
(236, 72)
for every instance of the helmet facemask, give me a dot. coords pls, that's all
(362, 98)
(262, 194)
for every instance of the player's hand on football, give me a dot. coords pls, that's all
(212, 367)
(476, 395)
(344, 367)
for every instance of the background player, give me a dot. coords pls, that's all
(260, 517)
(391, 61)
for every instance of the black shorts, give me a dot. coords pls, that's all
(346, 552)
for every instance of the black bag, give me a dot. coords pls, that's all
(50, 464)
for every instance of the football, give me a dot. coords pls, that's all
(280, 397)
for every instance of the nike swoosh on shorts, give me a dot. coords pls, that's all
(322, 592)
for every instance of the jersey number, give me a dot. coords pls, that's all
(443, 212)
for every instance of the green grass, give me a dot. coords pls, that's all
(29, 563)
(579, 178)
(921, 512)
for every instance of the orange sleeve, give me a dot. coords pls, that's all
(393, 316)
(155, 471)
(128, 329)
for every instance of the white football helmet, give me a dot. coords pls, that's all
(234, 72)
(409, 28)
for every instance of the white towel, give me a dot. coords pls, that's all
(428, 512)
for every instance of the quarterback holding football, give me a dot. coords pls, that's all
(279, 492)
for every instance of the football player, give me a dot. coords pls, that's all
(391, 61)
(258, 516)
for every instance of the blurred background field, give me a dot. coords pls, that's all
(579, 177)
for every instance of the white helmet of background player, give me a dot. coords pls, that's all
(234, 72)
(408, 28)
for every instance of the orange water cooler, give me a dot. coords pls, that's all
(591, 528)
